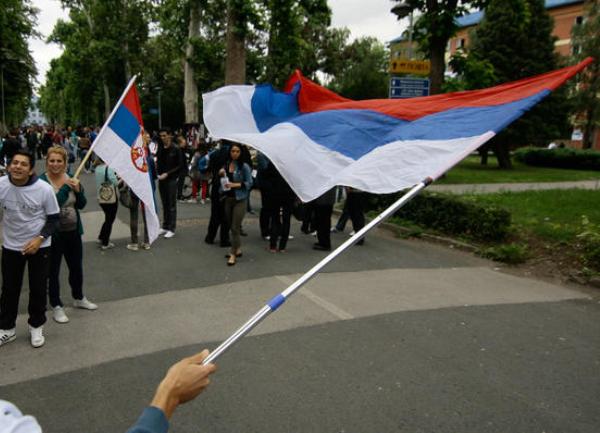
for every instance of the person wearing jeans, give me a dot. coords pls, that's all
(31, 216)
(236, 183)
(106, 174)
(67, 240)
(169, 166)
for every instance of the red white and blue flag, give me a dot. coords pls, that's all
(121, 146)
(318, 139)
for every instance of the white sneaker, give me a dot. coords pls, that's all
(107, 247)
(162, 232)
(169, 234)
(133, 247)
(145, 246)
(7, 335)
(37, 336)
(58, 314)
(352, 233)
(84, 304)
(290, 237)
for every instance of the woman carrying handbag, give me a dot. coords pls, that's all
(106, 187)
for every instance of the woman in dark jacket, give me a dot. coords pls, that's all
(67, 241)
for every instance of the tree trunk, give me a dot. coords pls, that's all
(190, 90)
(127, 62)
(106, 101)
(235, 59)
(589, 128)
(438, 66)
(483, 153)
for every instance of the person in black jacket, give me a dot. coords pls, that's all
(216, 160)
(323, 208)
(169, 166)
(10, 147)
(278, 203)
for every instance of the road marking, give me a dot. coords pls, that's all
(326, 305)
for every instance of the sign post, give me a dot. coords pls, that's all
(408, 87)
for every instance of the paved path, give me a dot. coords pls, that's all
(483, 188)
(395, 336)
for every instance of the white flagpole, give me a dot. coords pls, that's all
(112, 114)
(276, 301)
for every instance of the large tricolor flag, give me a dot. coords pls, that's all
(121, 146)
(318, 139)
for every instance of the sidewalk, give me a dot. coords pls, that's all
(483, 188)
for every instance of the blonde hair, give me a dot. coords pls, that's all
(57, 149)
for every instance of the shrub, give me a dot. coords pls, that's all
(590, 238)
(508, 253)
(451, 215)
(559, 158)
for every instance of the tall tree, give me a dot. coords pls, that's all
(17, 68)
(102, 44)
(586, 43)
(515, 37)
(190, 91)
(364, 74)
(434, 28)
(240, 14)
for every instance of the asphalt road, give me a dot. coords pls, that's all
(395, 336)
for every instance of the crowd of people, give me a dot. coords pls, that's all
(43, 225)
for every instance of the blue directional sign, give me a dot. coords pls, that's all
(408, 87)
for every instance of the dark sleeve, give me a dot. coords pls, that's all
(80, 199)
(152, 420)
(51, 226)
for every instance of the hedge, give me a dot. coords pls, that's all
(450, 215)
(559, 158)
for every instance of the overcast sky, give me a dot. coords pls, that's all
(362, 17)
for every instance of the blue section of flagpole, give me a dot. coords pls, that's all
(278, 300)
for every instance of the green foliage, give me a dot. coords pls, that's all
(296, 34)
(434, 27)
(586, 42)
(364, 72)
(17, 24)
(451, 215)
(512, 253)
(515, 37)
(590, 238)
(470, 171)
(472, 73)
(102, 46)
(559, 158)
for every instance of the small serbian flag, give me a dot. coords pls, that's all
(121, 146)
(318, 139)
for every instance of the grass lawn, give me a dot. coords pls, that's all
(471, 171)
(552, 215)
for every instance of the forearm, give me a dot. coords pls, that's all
(51, 226)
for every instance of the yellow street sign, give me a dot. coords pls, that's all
(416, 67)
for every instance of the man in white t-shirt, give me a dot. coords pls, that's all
(31, 216)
